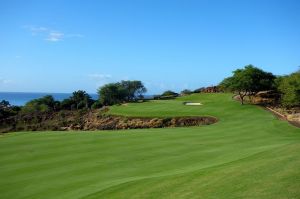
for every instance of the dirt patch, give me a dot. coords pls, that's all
(294, 123)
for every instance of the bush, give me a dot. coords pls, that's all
(66, 104)
(96, 105)
(169, 93)
(186, 92)
(43, 104)
(81, 105)
(289, 86)
(79, 100)
(7, 110)
(199, 90)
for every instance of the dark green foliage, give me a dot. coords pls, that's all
(4, 104)
(34, 108)
(248, 81)
(169, 93)
(112, 93)
(66, 104)
(186, 92)
(96, 105)
(166, 95)
(226, 84)
(289, 86)
(7, 110)
(198, 90)
(124, 91)
(81, 105)
(159, 97)
(134, 89)
(79, 100)
(43, 104)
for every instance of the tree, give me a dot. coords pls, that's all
(124, 91)
(186, 92)
(81, 99)
(226, 84)
(248, 81)
(289, 86)
(134, 89)
(112, 93)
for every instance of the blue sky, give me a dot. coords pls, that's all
(62, 46)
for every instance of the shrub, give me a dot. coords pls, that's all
(289, 86)
(43, 104)
(7, 110)
(96, 105)
(169, 93)
(186, 92)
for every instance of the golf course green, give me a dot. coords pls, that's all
(248, 153)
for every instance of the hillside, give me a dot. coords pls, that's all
(248, 153)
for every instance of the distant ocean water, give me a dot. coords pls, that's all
(21, 98)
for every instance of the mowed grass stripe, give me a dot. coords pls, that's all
(252, 180)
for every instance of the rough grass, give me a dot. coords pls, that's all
(247, 154)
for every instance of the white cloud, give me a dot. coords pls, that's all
(74, 35)
(35, 30)
(55, 36)
(97, 76)
(4, 81)
(49, 34)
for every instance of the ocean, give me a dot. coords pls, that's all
(21, 98)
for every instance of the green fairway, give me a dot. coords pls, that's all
(247, 154)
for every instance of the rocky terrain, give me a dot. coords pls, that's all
(94, 120)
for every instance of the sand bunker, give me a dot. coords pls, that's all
(192, 103)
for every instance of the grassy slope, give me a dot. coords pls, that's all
(248, 154)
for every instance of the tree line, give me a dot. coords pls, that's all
(245, 82)
(109, 94)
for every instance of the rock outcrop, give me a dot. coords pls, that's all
(94, 120)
